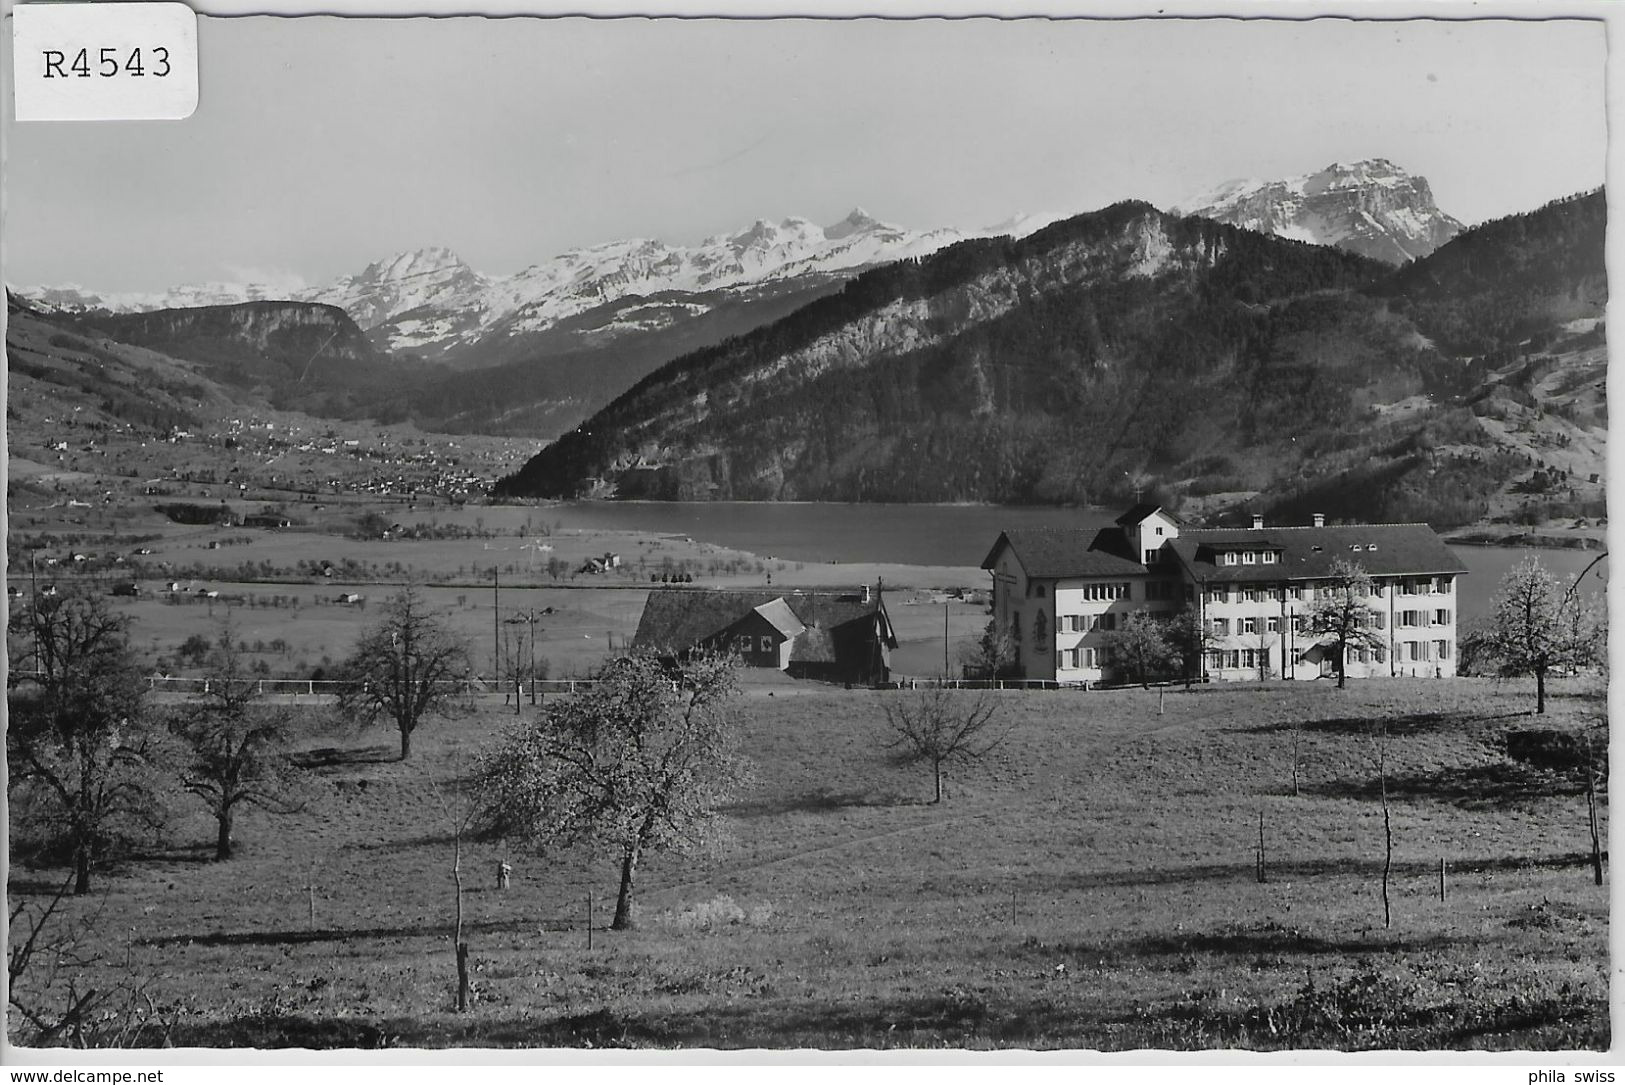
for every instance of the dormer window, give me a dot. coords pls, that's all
(1249, 557)
(1227, 558)
(1356, 547)
(1269, 557)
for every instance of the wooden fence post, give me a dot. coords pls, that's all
(1260, 870)
(1442, 889)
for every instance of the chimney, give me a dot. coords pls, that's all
(1258, 521)
(1320, 519)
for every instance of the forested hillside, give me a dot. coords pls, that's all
(296, 354)
(1119, 351)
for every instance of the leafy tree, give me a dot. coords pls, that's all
(1189, 639)
(82, 760)
(942, 728)
(408, 666)
(992, 656)
(371, 525)
(639, 762)
(1140, 648)
(234, 745)
(195, 649)
(1536, 629)
(1342, 611)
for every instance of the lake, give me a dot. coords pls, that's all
(932, 534)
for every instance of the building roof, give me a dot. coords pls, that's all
(1308, 553)
(1055, 552)
(676, 619)
(1141, 512)
(777, 613)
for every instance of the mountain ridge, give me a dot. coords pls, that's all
(1371, 207)
(1131, 348)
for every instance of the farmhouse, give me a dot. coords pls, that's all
(834, 636)
(1061, 592)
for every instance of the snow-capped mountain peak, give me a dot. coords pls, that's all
(1372, 207)
(856, 221)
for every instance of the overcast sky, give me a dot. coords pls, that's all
(323, 144)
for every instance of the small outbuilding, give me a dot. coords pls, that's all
(833, 636)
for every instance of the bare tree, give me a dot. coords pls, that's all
(1379, 754)
(50, 1002)
(1538, 630)
(640, 761)
(1342, 611)
(409, 666)
(82, 760)
(1140, 649)
(993, 655)
(457, 817)
(940, 728)
(1596, 772)
(235, 745)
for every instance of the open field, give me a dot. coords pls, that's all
(1091, 885)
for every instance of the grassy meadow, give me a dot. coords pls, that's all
(1092, 884)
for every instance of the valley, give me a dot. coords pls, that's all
(261, 471)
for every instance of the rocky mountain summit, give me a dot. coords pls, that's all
(1372, 207)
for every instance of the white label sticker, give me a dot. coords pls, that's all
(104, 62)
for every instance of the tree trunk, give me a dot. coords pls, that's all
(936, 773)
(1342, 666)
(623, 920)
(81, 869)
(406, 742)
(1540, 691)
(1387, 857)
(462, 977)
(1591, 812)
(222, 840)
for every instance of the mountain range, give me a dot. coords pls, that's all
(432, 304)
(1134, 349)
(1294, 353)
(1371, 207)
(559, 339)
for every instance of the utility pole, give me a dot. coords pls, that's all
(945, 608)
(496, 624)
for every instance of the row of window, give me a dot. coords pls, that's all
(1088, 623)
(1297, 593)
(1073, 659)
(1416, 651)
(743, 642)
(1234, 658)
(1412, 619)
(1249, 557)
(1243, 593)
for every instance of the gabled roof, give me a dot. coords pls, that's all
(1055, 552)
(676, 619)
(1308, 553)
(777, 613)
(1139, 513)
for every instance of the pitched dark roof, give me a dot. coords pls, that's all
(1140, 512)
(1047, 552)
(1308, 552)
(676, 619)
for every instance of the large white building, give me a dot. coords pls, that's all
(1061, 591)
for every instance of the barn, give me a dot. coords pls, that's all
(830, 636)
